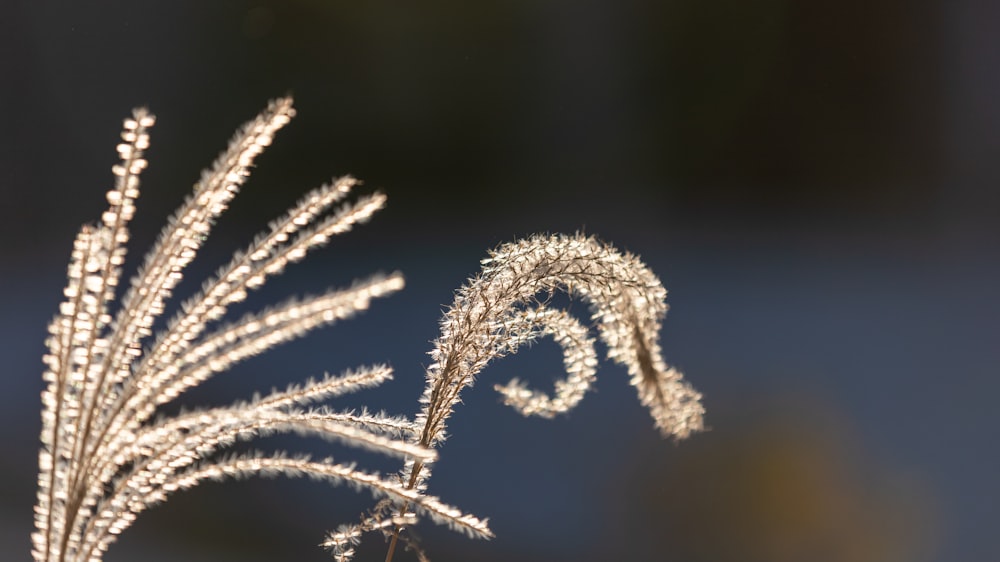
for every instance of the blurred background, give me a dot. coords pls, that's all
(815, 184)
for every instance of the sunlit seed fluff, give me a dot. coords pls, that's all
(503, 307)
(103, 459)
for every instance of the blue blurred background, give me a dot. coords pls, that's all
(815, 184)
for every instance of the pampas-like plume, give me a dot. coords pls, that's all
(103, 459)
(504, 307)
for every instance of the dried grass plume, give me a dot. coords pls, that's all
(105, 457)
